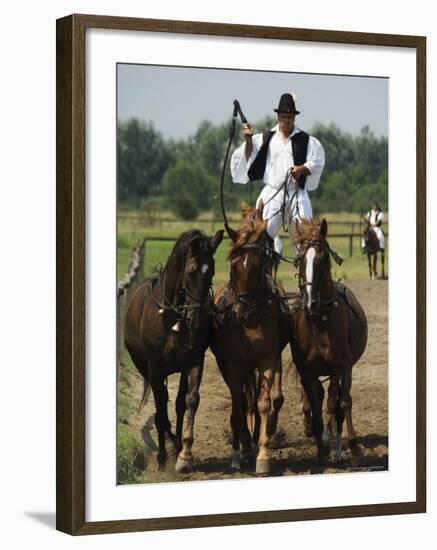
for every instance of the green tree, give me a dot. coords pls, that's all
(143, 158)
(187, 188)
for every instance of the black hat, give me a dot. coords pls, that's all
(286, 105)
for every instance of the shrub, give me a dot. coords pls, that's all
(130, 457)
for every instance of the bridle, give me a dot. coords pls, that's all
(322, 305)
(253, 298)
(181, 309)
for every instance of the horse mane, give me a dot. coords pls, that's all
(307, 230)
(184, 243)
(248, 229)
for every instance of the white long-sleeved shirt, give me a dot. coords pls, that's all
(279, 160)
(375, 216)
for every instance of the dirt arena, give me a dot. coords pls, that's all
(292, 453)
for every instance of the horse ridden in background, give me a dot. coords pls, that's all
(328, 336)
(166, 331)
(250, 331)
(371, 248)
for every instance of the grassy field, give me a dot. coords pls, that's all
(131, 228)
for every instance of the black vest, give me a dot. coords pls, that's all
(299, 146)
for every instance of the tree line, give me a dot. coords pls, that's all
(184, 175)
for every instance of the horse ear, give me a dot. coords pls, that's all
(259, 210)
(217, 239)
(231, 233)
(324, 228)
(262, 228)
(245, 208)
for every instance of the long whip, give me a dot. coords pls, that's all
(237, 111)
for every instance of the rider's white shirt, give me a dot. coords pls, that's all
(279, 160)
(374, 216)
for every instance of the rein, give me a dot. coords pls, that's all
(337, 259)
(181, 308)
(284, 186)
(252, 299)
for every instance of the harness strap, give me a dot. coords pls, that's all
(342, 293)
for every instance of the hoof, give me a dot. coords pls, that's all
(356, 459)
(323, 453)
(183, 465)
(338, 456)
(249, 453)
(356, 453)
(236, 460)
(162, 457)
(262, 467)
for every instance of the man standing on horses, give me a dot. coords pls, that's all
(374, 218)
(290, 163)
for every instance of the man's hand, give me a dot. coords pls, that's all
(247, 131)
(298, 171)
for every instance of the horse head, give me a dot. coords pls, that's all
(248, 259)
(196, 277)
(313, 261)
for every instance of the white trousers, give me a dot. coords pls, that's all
(298, 205)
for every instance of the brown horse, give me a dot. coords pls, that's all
(371, 248)
(249, 334)
(329, 335)
(166, 331)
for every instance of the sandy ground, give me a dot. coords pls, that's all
(292, 453)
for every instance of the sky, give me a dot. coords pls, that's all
(177, 99)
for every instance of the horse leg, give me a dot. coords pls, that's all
(346, 407)
(238, 422)
(245, 435)
(370, 266)
(251, 411)
(306, 409)
(277, 400)
(331, 404)
(382, 263)
(375, 273)
(162, 423)
(192, 399)
(264, 406)
(251, 402)
(180, 410)
(339, 417)
(315, 392)
(255, 435)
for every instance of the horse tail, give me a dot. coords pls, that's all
(146, 392)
